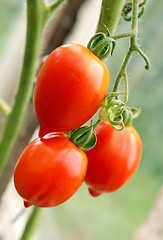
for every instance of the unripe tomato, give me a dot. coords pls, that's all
(114, 159)
(49, 171)
(70, 88)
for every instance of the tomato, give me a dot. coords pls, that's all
(70, 88)
(114, 159)
(49, 171)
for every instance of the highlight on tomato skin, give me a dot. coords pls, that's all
(70, 88)
(113, 160)
(49, 171)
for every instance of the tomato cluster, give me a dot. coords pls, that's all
(70, 88)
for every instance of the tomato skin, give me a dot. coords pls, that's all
(114, 159)
(49, 171)
(70, 88)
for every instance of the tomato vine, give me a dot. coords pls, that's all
(113, 109)
(134, 47)
(38, 14)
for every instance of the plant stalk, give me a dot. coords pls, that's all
(110, 15)
(33, 39)
(37, 17)
(30, 225)
(133, 43)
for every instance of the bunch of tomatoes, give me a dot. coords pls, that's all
(70, 88)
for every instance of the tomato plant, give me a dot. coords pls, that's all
(114, 159)
(70, 88)
(49, 171)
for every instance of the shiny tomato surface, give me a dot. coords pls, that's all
(70, 88)
(49, 171)
(114, 159)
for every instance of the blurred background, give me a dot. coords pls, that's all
(136, 210)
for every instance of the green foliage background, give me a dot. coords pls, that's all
(117, 216)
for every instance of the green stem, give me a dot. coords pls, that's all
(126, 87)
(36, 19)
(134, 27)
(142, 3)
(142, 54)
(4, 107)
(123, 70)
(134, 21)
(133, 47)
(34, 32)
(96, 123)
(110, 15)
(30, 225)
(124, 35)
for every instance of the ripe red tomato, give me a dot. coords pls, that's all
(70, 88)
(114, 159)
(49, 171)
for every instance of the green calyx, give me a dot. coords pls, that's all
(84, 137)
(116, 112)
(129, 114)
(127, 10)
(112, 110)
(101, 45)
